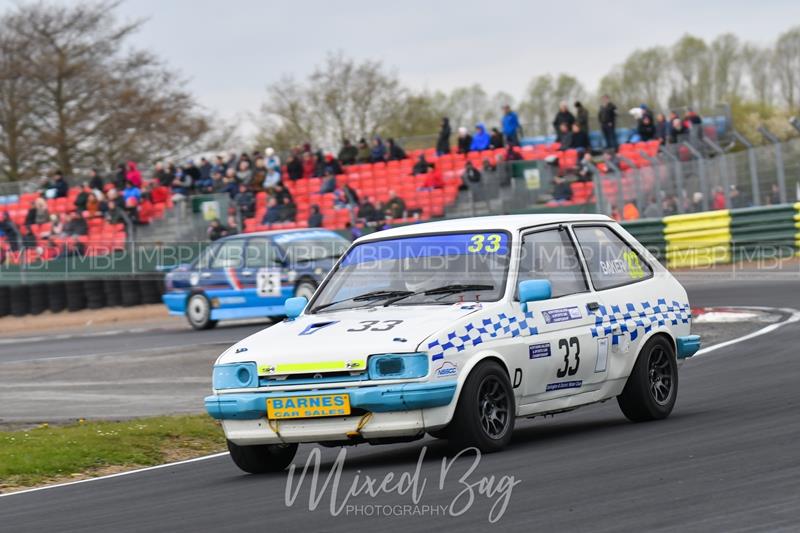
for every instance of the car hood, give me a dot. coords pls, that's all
(342, 340)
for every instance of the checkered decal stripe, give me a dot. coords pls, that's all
(634, 319)
(483, 330)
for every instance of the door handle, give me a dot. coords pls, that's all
(247, 273)
(593, 306)
(206, 274)
(616, 329)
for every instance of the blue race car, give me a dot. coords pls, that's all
(251, 275)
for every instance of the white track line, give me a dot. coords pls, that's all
(794, 316)
(119, 474)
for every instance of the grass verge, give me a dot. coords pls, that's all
(50, 454)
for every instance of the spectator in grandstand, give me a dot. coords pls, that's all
(191, 170)
(580, 139)
(229, 185)
(582, 117)
(669, 206)
(471, 175)
(662, 128)
(348, 153)
(651, 210)
(38, 213)
(294, 165)
(562, 192)
(586, 168)
(272, 161)
(694, 126)
(205, 169)
(120, 176)
(378, 152)
(328, 184)
(630, 211)
(131, 191)
(132, 210)
(718, 198)
(133, 175)
(272, 177)
(364, 152)
(564, 138)
(774, 194)
(395, 207)
(244, 174)
(394, 152)
(480, 140)
(95, 180)
(511, 127)
(355, 231)
(76, 226)
(610, 158)
(646, 129)
(315, 217)
(181, 183)
(563, 116)
(346, 196)
(83, 197)
(464, 140)
(512, 154)
(327, 164)
(309, 165)
(677, 133)
(273, 213)
(421, 166)
(496, 139)
(697, 202)
(216, 230)
(735, 197)
(116, 214)
(219, 165)
(368, 212)
(207, 184)
(10, 231)
(607, 116)
(433, 180)
(443, 141)
(245, 201)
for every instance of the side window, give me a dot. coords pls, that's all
(230, 254)
(303, 250)
(260, 253)
(551, 255)
(204, 262)
(611, 261)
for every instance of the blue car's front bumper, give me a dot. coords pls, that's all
(379, 399)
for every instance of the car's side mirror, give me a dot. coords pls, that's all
(293, 307)
(534, 290)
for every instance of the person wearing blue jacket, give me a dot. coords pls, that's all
(481, 139)
(510, 126)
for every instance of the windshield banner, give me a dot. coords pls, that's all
(489, 243)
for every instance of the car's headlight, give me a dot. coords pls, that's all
(235, 376)
(398, 366)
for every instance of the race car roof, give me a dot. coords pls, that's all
(510, 223)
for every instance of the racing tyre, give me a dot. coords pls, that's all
(112, 288)
(484, 416)
(76, 297)
(18, 300)
(198, 312)
(263, 458)
(95, 295)
(131, 295)
(305, 288)
(56, 296)
(4, 301)
(38, 299)
(652, 387)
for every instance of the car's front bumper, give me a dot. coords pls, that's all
(390, 411)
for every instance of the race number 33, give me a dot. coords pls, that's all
(268, 283)
(484, 243)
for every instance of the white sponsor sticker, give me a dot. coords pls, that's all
(268, 283)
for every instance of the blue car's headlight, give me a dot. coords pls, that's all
(398, 366)
(235, 376)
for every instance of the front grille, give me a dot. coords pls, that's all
(311, 378)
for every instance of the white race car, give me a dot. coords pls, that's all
(454, 329)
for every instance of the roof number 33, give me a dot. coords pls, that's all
(484, 243)
(376, 325)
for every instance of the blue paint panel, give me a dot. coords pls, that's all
(175, 302)
(383, 399)
(426, 246)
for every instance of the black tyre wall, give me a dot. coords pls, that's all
(37, 294)
(5, 304)
(56, 296)
(19, 300)
(76, 296)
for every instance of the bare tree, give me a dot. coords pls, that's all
(757, 62)
(787, 66)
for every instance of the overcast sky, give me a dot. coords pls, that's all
(230, 50)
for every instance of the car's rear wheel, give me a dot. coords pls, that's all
(198, 312)
(262, 458)
(484, 416)
(652, 387)
(305, 289)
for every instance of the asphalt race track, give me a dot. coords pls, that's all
(728, 459)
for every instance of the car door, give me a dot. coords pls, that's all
(263, 275)
(223, 276)
(561, 359)
(632, 302)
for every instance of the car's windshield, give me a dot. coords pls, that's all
(419, 270)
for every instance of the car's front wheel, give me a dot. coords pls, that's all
(484, 416)
(198, 312)
(652, 387)
(305, 289)
(262, 458)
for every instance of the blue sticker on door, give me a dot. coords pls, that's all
(536, 351)
(562, 314)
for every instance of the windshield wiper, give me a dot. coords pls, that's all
(444, 290)
(372, 295)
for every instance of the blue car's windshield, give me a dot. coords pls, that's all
(469, 266)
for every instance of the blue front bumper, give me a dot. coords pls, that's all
(380, 399)
(687, 346)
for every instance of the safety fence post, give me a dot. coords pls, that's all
(778, 162)
(701, 171)
(751, 159)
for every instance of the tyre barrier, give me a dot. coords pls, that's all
(37, 295)
(75, 295)
(698, 239)
(19, 301)
(56, 297)
(763, 232)
(650, 233)
(5, 299)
